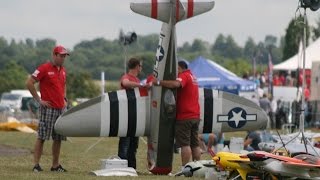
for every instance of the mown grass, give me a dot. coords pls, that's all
(76, 157)
(79, 156)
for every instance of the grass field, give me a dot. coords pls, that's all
(76, 157)
(79, 156)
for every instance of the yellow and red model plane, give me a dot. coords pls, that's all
(264, 165)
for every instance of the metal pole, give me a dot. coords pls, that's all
(301, 123)
(102, 83)
(125, 59)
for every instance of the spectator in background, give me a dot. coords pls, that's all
(257, 79)
(273, 111)
(260, 92)
(308, 81)
(209, 140)
(282, 79)
(255, 99)
(245, 76)
(263, 80)
(266, 105)
(252, 140)
(276, 80)
(289, 80)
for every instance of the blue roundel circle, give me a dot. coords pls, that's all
(237, 118)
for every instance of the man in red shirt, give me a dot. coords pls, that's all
(127, 147)
(51, 77)
(187, 114)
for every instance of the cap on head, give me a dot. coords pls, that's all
(60, 50)
(183, 64)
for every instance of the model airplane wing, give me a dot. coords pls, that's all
(108, 115)
(291, 147)
(302, 165)
(285, 166)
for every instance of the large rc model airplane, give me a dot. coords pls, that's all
(140, 113)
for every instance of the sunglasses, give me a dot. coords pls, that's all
(62, 55)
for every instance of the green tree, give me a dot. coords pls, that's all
(219, 45)
(294, 34)
(239, 66)
(12, 77)
(226, 47)
(250, 48)
(198, 46)
(186, 47)
(80, 85)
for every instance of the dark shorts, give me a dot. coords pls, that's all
(186, 133)
(48, 117)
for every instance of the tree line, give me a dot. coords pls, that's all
(89, 58)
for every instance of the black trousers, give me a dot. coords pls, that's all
(127, 149)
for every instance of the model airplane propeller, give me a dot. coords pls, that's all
(152, 113)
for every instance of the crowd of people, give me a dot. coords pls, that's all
(281, 78)
(278, 110)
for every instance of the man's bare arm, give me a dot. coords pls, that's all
(30, 85)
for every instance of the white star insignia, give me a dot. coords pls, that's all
(158, 54)
(236, 117)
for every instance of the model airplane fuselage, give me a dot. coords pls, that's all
(152, 114)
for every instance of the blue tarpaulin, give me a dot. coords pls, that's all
(211, 75)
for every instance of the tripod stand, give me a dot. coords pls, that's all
(303, 101)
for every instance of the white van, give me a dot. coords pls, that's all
(17, 99)
(14, 101)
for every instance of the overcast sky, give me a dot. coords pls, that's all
(71, 21)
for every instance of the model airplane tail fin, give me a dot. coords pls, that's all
(184, 9)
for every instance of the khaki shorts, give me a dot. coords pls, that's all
(186, 133)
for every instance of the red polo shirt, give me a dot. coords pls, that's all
(188, 97)
(142, 91)
(52, 83)
(130, 78)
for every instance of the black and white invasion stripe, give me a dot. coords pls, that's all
(124, 113)
(210, 105)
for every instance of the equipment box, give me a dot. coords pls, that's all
(113, 162)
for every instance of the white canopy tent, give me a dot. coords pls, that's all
(312, 54)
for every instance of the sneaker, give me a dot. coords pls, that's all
(58, 169)
(37, 168)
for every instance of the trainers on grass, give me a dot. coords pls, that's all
(37, 168)
(58, 169)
